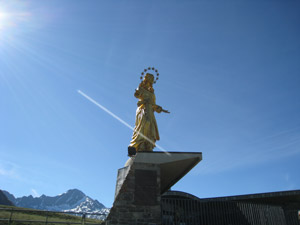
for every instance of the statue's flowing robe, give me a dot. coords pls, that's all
(145, 122)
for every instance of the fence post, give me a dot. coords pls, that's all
(83, 219)
(46, 217)
(11, 213)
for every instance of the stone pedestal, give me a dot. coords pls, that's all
(142, 181)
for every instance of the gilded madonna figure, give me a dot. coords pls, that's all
(145, 132)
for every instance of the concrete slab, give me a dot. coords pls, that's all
(173, 165)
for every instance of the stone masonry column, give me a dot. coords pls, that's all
(137, 201)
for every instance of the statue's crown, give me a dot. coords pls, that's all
(150, 68)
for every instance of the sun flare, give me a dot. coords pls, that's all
(11, 17)
(4, 18)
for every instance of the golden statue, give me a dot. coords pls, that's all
(145, 132)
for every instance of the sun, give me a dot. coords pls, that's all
(3, 19)
(7, 19)
(11, 17)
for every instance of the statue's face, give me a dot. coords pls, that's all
(149, 78)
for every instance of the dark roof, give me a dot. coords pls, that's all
(180, 194)
(275, 198)
(281, 197)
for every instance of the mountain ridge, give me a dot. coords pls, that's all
(73, 200)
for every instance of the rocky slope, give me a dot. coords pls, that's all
(4, 200)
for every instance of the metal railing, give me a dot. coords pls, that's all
(82, 217)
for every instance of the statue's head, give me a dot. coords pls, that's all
(149, 78)
(147, 82)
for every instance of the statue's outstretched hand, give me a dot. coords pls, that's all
(165, 111)
(159, 109)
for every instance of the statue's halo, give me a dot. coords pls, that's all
(151, 69)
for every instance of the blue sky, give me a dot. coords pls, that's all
(229, 75)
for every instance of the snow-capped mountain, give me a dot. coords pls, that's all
(73, 200)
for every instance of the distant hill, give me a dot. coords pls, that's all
(4, 200)
(73, 200)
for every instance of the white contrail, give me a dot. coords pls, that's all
(118, 118)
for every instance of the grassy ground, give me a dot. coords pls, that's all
(40, 217)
